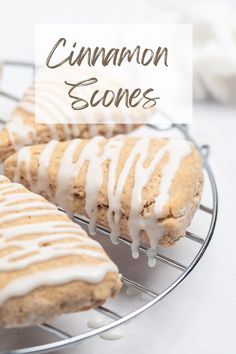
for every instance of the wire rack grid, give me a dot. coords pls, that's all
(120, 316)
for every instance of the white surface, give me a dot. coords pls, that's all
(200, 315)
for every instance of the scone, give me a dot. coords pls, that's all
(48, 264)
(22, 129)
(146, 189)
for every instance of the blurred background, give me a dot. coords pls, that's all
(214, 32)
(200, 315)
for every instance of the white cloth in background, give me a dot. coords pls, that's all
(214, 39)
(214, 27)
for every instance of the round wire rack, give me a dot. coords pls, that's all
(173, 266)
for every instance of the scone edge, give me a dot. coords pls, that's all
(47, 302)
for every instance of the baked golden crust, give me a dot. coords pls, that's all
(23, 131)
(184, 193)
(46, 250)
(45, 303)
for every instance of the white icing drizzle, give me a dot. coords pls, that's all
(69, 170)
(19, 132)
(98, 321)
(57, 276)
(24, 156)
(42, 240)
(44, 161)
(53, 108)
(175, 150)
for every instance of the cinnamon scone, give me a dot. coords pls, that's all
(22, 129)
(146, 189)
(48, 264)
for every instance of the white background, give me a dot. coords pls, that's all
(200, 315)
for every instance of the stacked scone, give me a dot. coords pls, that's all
(22, 129)
(145, 189)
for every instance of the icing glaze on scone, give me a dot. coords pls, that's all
(44, 113)
(53, 109)
(33, 231)
(99, 162)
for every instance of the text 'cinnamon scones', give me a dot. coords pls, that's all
(146, 189)
(22, 129)
(48, 264)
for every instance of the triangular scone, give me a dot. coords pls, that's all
(22, 130)
(48, 264)
(144, 188)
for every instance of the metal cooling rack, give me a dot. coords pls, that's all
(117, 313)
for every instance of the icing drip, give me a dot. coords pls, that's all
(99, 321)
(94, 155)
(94, 176)
(24, 244)
(177, 150)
